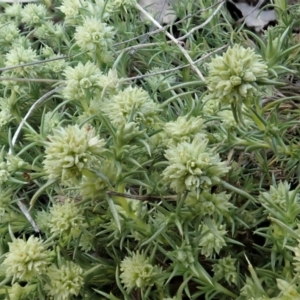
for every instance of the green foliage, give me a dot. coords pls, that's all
(133, 166)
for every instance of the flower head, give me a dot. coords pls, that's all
(184, 255)
(27, 259)
(65, 281)
(211, 243)
(278, 195)
(110, 82)
(14, 10)
(80, 80)
(8, 33)
(51, 121)
(193, 165)
(94, 34)
(5, 117)
(69, 151)
(19, 56)
(71, 9)
(131, 104)
(14, 163)
(233, 77)
(207, 203)
(137, 271)
(33, 14)
(123, 3)
(183, 129)
(66, 220)
(225, 269)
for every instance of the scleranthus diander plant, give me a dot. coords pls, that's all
(147, 164)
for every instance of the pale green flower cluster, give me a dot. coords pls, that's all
(81, 81)
(296, 251)
(4, 175)
(225, 269)
(123, 3)
(184, 130)
(138, 272)
(211, 243)
(132, 104)
(207, 203)
(14, 10)
(5, 117)
(8, 33)
(33, 14)
(193, 166)
(51, 121)
(65, 281)
(94, 35)
(42, 219)
(184, 255)
(233, 77)
(69, 151)
(278, 194)
(19, 56)
(110, 82)
(27, 259)
(51, 33)
(14, 163)
(66, 221)
(72, 9)
(211, 106)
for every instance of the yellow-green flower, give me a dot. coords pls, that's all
(66, 220)
(65, 281)
(138, 272)
(69, 151)
(18, 56)
(132, 104)
(26, 259)
(8, 33)
(207, 203)
(193, 165)
(123, 3)
(233, 77)
(33, 14)
(225, 268)
(81, 80)
(184, 130)
(93, 35)
(71, 9)
(211, 243)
